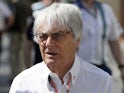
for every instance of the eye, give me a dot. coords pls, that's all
(57, 35)
(43, 37)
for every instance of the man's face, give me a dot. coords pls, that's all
(57, 47)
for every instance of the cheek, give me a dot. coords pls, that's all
(41, 50)
(69, 49)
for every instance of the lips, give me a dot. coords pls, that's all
(51, 53)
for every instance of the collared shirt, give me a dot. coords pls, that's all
(90, 48)
(86, 78)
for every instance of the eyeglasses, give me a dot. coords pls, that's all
(57, 36)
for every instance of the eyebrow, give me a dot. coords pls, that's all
(58, 31)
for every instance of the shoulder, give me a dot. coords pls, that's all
(107, 7)
(108, 12)
(97, 76)
(29, 73)
(93, 71)
(92, 75)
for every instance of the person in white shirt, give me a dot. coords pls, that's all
(57, 30)
(100, 29)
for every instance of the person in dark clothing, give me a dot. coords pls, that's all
(29, 36)
(21, 11)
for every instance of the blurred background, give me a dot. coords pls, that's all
(13, 39)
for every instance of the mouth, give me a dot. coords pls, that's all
(51, 53)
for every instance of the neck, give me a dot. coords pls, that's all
(61, 71)
(88, 3)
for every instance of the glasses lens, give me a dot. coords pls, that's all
(55, 36)
(42, 37)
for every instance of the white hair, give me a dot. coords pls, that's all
(67, 16)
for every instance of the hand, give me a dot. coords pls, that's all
(122, 74)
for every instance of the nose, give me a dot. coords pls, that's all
(50, 42)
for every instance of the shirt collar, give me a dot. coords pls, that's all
(46, 71)
(74, 70)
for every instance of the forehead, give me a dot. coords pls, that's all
(53, 27)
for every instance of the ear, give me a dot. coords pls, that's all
(77, 43)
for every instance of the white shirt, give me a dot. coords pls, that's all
(4, 13)
(86, 78)
(90, 47)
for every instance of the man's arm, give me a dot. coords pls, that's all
(116, 51)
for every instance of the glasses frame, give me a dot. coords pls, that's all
(57, 36)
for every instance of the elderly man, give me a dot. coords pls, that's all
(57, 30)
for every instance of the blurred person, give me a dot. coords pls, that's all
(100, 28)
(6, 19)
(17, 33)
(30, 44)
(57, 30)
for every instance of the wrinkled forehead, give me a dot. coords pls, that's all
(49, 25)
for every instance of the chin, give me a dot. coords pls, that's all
(49, 61)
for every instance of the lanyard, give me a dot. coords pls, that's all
(81, 6)
(67, 86)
